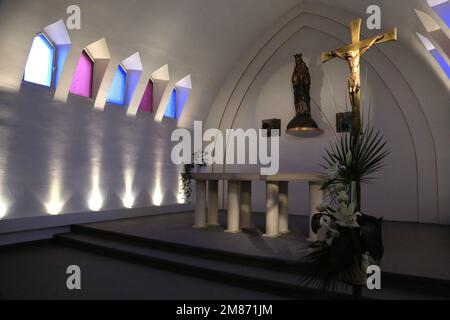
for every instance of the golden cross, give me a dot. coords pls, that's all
(352, 54)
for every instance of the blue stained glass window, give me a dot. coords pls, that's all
(117, 91)
(440, 59)
(62, 52)
(443, 10)
(171, 108)
(182, 97)
(39, 67)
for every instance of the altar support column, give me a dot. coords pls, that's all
(233, 207)
(272, 213)
(283, 221)
(200, 204)
(315, 198)
(246, 205)
(213, 199)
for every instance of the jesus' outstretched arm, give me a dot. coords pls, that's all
(336, 54)
(371, 44)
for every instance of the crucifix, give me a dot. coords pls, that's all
(352, 54)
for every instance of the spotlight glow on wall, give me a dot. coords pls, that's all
(157, 197)
(128, 200)
(180, 198)
(95, 202)
(39, 67)
(128, 175)
(3, 209)
(54, 207)
(55, 202)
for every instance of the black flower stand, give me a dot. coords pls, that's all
(357, 292)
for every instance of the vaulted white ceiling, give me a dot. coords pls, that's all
(201, 38)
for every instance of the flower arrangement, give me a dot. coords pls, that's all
(198, 160)
(346, 238)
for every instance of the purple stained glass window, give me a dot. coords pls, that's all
(82, 79)
(146, 104)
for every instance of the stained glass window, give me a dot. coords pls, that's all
(117, 91)
(146, 104)
(82, 79)
(171, 109)
(39, 67)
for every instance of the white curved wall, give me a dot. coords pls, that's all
(409, 92)
(408, 95)
(51, 147)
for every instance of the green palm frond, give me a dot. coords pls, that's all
(368, 153)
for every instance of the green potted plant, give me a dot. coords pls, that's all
(347, 239)
(198, 163)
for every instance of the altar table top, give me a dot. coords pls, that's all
(305, 177)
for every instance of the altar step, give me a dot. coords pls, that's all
(271, 275)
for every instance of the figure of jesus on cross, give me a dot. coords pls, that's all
(352, 54)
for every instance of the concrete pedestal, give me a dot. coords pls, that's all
(213, 200)
(283, 221)
(200, 204)
(272, 210)
(246, 205)
(233, 207)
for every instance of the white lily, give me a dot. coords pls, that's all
(342, 197)
(333, 171)
(326, 232)
(325, 221)
(341, 206)
(346, 216)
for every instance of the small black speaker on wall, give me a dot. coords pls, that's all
(272, 124)
(343, 122)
